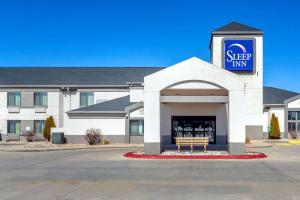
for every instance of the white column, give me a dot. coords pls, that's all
(152, 122)
(236, 133)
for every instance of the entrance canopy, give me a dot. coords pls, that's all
(190, 81)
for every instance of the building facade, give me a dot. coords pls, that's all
(223, 99)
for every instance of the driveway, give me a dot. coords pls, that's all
(106, 174)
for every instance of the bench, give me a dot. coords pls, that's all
(192, 141)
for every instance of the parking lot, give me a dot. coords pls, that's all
(106, 174)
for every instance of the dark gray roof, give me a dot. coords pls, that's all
(114, 105)
(276, 96)
(237, 28)
(59, 76)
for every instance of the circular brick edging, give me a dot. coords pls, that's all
(254, 155)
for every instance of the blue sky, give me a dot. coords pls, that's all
(144, 33)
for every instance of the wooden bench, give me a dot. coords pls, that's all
(192, 141)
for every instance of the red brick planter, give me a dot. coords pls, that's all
(254, 155)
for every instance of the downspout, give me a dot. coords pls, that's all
(68, 90)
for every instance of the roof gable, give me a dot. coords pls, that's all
(237, 28)
(193, 70)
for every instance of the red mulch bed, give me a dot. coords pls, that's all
(253, 155)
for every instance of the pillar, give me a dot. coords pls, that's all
(152, 144)
(236, 122)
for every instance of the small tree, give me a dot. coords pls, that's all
(274, 132)
(47, 130)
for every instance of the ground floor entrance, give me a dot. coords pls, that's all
(194, 126)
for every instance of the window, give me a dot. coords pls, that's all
(292, 115)
(292, 126)
(294, 121)
(86, 98)
(136, 127)
(14, 126)
(39, 126)
(41, 99)
(13, 99)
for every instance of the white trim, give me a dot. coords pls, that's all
(195, 99)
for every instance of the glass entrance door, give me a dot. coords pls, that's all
(194, 126)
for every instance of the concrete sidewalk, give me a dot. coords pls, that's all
(259, 144)
(47, 146)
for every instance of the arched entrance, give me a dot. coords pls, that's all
(193, 88)
(194, 109)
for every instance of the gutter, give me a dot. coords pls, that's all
(64, 86)
(273, 105)
(96, 112)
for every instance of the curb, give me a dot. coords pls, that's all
(204, 157)
(67, 149)
(296, 142)
(261, 146)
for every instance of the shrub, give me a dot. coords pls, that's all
(47, 130)
(93, 136)
(248, 141)
(105, 141)
(293, 135)
(274, 128)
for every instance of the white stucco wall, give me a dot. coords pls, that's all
(29, 113)
(266, 122)
(53, 109)
(136, 94)
(294, 104)
(106, 96)
(253, 82)
(138, 113)
(108, 126)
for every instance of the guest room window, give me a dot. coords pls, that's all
(294, 121)
(39, 126)
(136, 127)
(41, 99)
(86, 98)
(13, 99)
(14, 126)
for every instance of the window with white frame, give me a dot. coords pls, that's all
(41, 99)
(38, 126)
(13, 126)
(294, 121)
(13, 99)
(86, 98)
(136, 127)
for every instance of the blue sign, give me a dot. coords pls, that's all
(239, 55)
